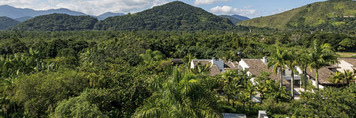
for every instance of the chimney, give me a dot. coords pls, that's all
(264, 60)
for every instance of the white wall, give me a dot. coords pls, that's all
(243, 64)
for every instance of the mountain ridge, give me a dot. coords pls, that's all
(329, 15)
(171, 16)
(6, 22)
(57, 22)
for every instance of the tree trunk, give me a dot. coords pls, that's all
(317, 79)
(292, 84)
(280, 78)
(305, 79)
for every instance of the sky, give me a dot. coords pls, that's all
(249, 8)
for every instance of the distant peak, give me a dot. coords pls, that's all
(6, 5)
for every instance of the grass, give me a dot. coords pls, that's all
(347, 54)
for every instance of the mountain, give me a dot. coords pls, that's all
(109, 14)
(23, 19)
(332, 15)
(171, 16)
(6, 22)
(57, 22)
(241, 17)
(231, 18)
(12, 12)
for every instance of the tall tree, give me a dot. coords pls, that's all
(303, 61)
(322, 55)
(278, 63)
(291, 63)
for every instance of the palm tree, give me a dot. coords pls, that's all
(231, 84)
(278, 62)
(181, 96)
(322, 55)
(303, 61)
(291, 63)
(343, 78)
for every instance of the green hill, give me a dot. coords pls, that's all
(231, 18)
(57, 22)
(171, 16)
(337, 15)
(6, 22)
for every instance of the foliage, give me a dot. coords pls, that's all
(78, 107)
(126, 73)
(57, 22)
(181, 96)
(172, 16)
(6, 22)
(329, 16)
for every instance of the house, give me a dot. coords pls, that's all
(218, 66)
(256, 66)
(324, 74)
(328, 71)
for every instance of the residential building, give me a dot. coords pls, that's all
(217, 66)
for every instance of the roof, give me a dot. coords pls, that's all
(256, 66)
(214, 70)
(231, 65)
(233, 115)
(324, 74)
(177, 61)
(201, 61)
(351, 61)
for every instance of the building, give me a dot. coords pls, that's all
(257, 66)
(218, 66)
(324, 74)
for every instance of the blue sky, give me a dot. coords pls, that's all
(249, 8)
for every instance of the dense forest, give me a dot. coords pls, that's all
(59, 65)
(130, 74)
(333, 15)
(6, 22)
(57, 22)
(171, 16)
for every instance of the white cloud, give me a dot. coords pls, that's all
(200, 2)
(92, 7)
(230, 11)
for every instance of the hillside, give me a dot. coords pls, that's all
(6, 22)
(171, 16)
(57, 22)
(12, 12)
(109, 14)
(23, 19)
(328, 16)
(240, 17)
(231, 18)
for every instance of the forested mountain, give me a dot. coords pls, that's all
(231, 18)
(6, 22)
(12, 12)
(331, 15)
(171, 16)
(57, 22)
(23, 19)
(109, 14)
(240, 17)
